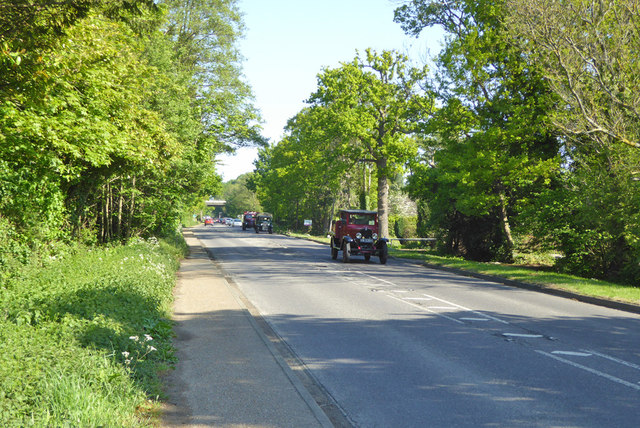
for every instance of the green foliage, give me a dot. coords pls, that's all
(239, 198)
(205, 35)
(306, 175)
(588, 53)
(591, 216)
(14, 251)
(376, 105)
(491, 147)
(111, 117)
(359, 125)
(406, 227)
(84, 339)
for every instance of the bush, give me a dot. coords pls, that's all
(93, 324)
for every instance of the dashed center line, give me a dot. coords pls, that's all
(523, 335)
(474, 319)
(424, 309)
(483, 315)
(572, 353)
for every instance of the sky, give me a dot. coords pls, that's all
(288, 42)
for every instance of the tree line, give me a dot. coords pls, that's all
(524, 135)
(111, 115)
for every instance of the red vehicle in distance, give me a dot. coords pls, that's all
(356, 233)
(249, 220)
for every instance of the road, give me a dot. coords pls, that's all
(401, 345)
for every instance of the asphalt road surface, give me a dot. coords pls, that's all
(401, 345)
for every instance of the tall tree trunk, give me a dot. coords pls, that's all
(120, 207)
(109, 212)
(131, 207)
(383, 198)
(506, 228)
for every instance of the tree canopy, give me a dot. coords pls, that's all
(490, 144)
(588, 51)
(111, 114)
(376, 105)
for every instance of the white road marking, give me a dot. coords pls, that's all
(467, 309)
(590, 370)
(614, 359)
(375, 277)
(432, 297)
(442, 307)
(572, 353)
(474, 319)
(527, 336)
(417, 298)
(424, 309)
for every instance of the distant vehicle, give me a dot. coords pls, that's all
(264, 223)
(208, 221)
(228, 221)
(237, 222)
(249, 220)
(356, 233)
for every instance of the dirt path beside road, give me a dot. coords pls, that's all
(228, 373)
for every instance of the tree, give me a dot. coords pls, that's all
(62, 109)
(590, 215)
(239, 197)
(107, 127)
(491, 147)
(205, 35)
(306, 174)
(588, 51)
(376, 105)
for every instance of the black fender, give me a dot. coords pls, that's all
(382, 242)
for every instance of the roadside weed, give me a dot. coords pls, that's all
(65, 329)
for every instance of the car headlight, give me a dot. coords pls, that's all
(375, 236)
(358, 235)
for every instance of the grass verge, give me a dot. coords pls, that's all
(85, 338)
(526, 274)
(521, 273)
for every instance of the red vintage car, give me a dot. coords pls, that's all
(249, 220)
(356, 233)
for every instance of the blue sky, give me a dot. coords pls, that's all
(288, 42)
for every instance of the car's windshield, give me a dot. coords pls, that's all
(362, 219)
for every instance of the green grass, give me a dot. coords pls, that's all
(85, 338)
(542, 277)
(522, 273)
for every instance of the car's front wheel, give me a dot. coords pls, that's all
(384, 253)
(334, 250)
(346, 252)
